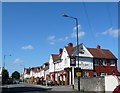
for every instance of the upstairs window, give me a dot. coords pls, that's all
(112, 62)
(96, 62)
(104, 62)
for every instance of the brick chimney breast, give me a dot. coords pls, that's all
(70, 45)
(60, 51)
(98, 47)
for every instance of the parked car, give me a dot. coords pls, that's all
(49, 83)
(16, 81)
(44, 82)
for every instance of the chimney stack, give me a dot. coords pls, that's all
(60, 51)
(70, 45)
(98, 47)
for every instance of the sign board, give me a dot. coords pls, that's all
(72, 62)
(78, 74)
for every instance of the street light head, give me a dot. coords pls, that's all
(64, 15)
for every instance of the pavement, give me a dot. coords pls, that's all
(62, 88)
(54, 88)
(41, 86)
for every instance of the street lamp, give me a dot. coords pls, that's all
(76, 19)
(4, 60)
(23, 71)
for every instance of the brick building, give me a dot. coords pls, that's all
(63, 66)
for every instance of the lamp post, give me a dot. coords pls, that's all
(4, 60)
(54, 72)
(23, 71)
(76, 19)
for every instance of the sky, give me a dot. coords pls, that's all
(33, 31)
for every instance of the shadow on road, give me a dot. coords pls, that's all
(22, 89)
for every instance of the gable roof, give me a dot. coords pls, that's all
(55, 56)
(69, 50)
(101, 53)
(27, 70)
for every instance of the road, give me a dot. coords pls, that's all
(31, 88)
(24, 88)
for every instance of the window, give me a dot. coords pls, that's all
(103, 73)
(104, 62)
(85, 74)
(96, 62)
(95, 74)
(112, 62)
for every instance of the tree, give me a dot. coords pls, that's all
(5, 75)
(15, 75)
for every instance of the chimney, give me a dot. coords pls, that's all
(60, 51)
(70, 45)
(98, 47)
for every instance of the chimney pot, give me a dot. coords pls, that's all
(60, 51)
(70, 45)
(98, 47)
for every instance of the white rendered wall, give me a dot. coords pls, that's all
(65, 59)
(110, 83)
(51, 65)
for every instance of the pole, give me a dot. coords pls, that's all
(78, 52)
(77, 46)
(73, 76)
(23, 74)
(4, 62)
(23, 71)
(54, 74)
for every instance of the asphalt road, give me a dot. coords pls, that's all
(23, 88)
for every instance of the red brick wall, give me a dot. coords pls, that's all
(108, 69)
(66, 75)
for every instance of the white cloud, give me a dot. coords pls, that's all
(79, 27)
(63, 39)
(66, 38)
(28, 47)
(52, 43)
(52, 39)
(80, 34)
(112, 32)
(17, 61)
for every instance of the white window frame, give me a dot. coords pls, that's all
(104, 62)
(103, 73)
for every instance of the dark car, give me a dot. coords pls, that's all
(16, 81)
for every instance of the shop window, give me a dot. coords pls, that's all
(95, 74)
(85, 74)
